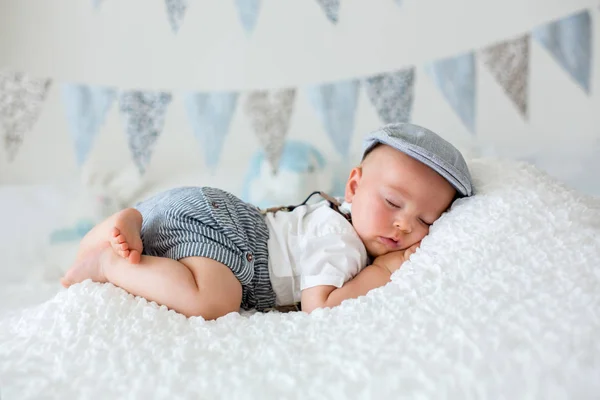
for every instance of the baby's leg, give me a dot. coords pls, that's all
(193, 286)
(121, 232)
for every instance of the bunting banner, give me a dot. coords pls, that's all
(569, 40)
(455, 78)
(336, 105)
(86, 108)
(176, 11)
(21, 98)
(331, 9)
(144, 116)
(270, 114)
(248, 12)
(209, 115)
(508, 62)
(392, 94)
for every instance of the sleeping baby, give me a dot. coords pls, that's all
(203, 252)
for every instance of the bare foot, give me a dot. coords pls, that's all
(89, 267)
(125, 236)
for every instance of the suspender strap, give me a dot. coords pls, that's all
(333, 203)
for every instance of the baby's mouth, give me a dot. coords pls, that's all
(389, 242)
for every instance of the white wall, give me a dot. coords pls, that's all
(129, 44)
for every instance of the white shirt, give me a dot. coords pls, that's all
(312, 245)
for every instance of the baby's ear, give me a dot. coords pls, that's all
(352, 183)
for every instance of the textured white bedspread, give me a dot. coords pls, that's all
(501, 301)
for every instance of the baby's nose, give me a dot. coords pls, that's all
(403, 225)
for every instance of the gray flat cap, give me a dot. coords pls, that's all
(429, 148)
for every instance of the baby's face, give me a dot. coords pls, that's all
(395, 199)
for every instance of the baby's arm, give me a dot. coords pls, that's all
(373, 276)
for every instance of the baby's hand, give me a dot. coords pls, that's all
(393, 260)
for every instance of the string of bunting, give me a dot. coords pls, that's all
(248, 11)
(568, 41)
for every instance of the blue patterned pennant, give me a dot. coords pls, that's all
(86, 108)
(392, 94)
(248, 11)
(569, 40)
(176, 11)
(455, 78)
(210, 115)
(336, 105)
(144, 115)
(331, 9)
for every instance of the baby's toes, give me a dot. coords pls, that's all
(65, 283)
(121, 239)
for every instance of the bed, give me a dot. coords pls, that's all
(502, 300)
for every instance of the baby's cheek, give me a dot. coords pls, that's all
(421, 233)
(383, 218)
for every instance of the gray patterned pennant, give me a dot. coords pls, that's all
(392, 94)
(509, 64)
(144, 114)
(270, 114)
(21, 99)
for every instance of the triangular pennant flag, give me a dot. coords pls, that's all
(331, 9)
(86, 108)
(144, 114)
(392, 94)
(21, 99)
(509, 64)
(455, 78)
(210, 115)
(248, 11)
(569, 40)
(176, 11)
(336, 106)
(270, 114)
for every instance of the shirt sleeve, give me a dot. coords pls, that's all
(331, 259)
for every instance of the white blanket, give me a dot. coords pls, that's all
(501, 301)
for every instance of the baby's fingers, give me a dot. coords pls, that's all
(410, 251)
